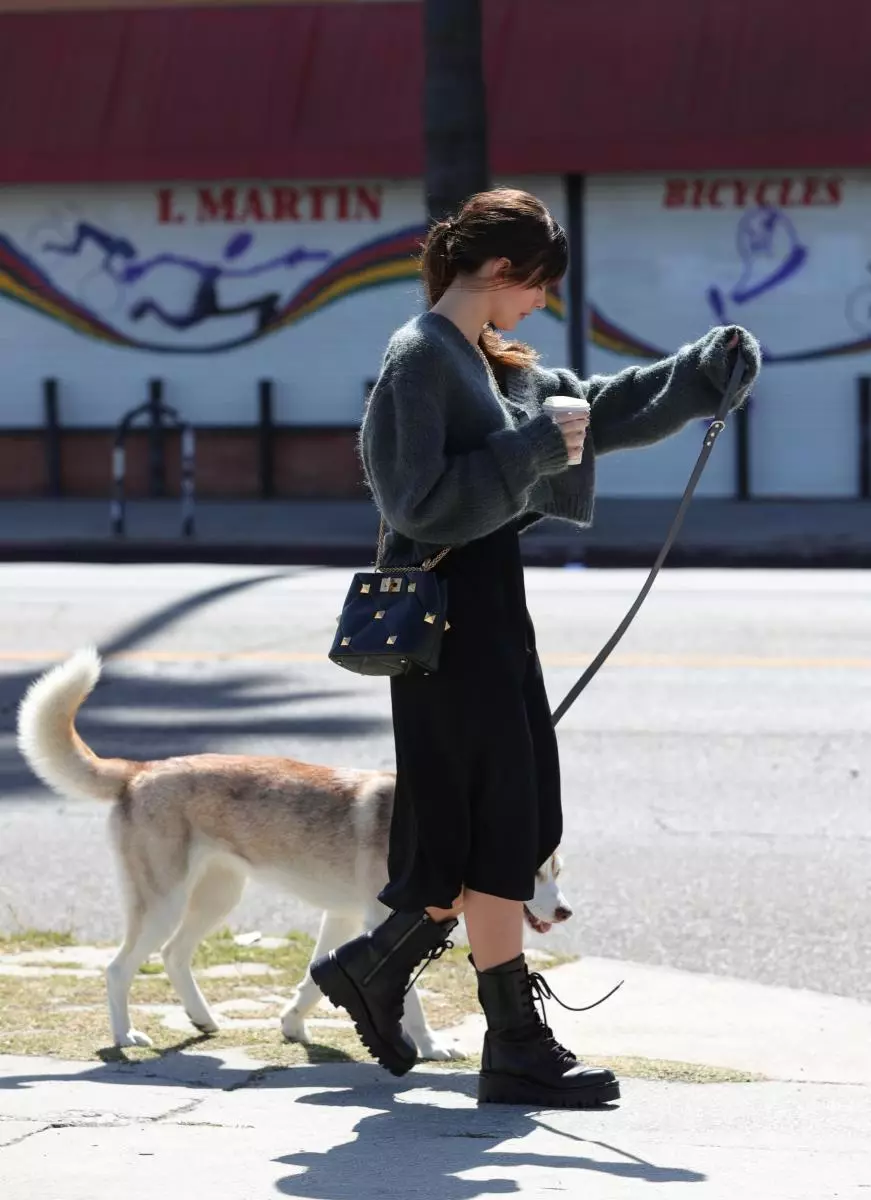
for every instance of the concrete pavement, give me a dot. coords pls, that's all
(626, 532)
(218, 1124)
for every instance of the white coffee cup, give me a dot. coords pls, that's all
(559, 407)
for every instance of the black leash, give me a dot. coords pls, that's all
(714, 430)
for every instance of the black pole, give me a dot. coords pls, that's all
(455, 113)
(576, 198)
(156, 464)
(864, 437)
(52, 437)
(742, 452)
(266, 443)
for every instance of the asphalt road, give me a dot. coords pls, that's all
(717, 773)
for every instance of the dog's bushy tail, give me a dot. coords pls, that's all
(48, 739)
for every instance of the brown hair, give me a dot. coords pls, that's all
(504, 223)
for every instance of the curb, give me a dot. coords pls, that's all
(776, 557)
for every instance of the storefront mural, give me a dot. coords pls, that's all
(213, 287)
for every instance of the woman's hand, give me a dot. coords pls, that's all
(717, 357)
(573, 427)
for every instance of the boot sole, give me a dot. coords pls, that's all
(510, 1089)
(340, 990)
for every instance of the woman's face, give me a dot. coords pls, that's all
(511, 303)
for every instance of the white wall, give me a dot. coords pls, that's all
(789, 255)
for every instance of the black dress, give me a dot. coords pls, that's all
(478, 782)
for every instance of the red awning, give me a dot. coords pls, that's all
(335, 90)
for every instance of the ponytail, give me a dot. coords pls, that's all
(436, 265)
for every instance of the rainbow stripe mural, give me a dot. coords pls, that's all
(378, 263)
(375, 264)
(23, 282)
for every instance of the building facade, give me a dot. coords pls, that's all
(126, 257)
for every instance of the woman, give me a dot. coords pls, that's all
(458, 453)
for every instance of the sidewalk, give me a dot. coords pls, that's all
(626, 533)
(212, 1123)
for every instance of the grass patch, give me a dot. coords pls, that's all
(65, 1017)
(34, 939)
(666, 1071)
(220, 950)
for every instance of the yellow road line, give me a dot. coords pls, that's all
(706, 662)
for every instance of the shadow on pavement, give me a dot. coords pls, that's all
(467, 1140)
(244, 704)
(423, 1138)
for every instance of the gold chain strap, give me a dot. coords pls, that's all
(427, 565)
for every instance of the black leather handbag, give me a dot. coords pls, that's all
(393, 619)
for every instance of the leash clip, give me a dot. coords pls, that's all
(714, 430)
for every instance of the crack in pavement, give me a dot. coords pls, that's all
(181, 1111)
(255, 1077)
(136, 1069)
(24, 1136)
(212, 1125)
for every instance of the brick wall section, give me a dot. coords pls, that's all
(23, 468)
(226, 465)
(308, 464)
(318, 465)
(86, 464)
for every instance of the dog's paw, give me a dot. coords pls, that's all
(293, 1026)
(133, 1038)
(434, 1048)
(205, 1024)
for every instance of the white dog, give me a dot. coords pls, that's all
(189, 831)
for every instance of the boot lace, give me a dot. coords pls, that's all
(540, 991)
(430, 957)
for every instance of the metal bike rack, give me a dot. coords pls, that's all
(160, 416)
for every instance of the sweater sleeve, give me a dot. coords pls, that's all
(431, 495)
(642, 405)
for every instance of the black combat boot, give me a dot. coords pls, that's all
(369, 977)
(522, 1062)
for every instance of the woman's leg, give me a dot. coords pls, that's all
(495, 928)
(446, 914)
(521, 1062)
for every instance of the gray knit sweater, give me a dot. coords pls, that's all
(449, 459)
